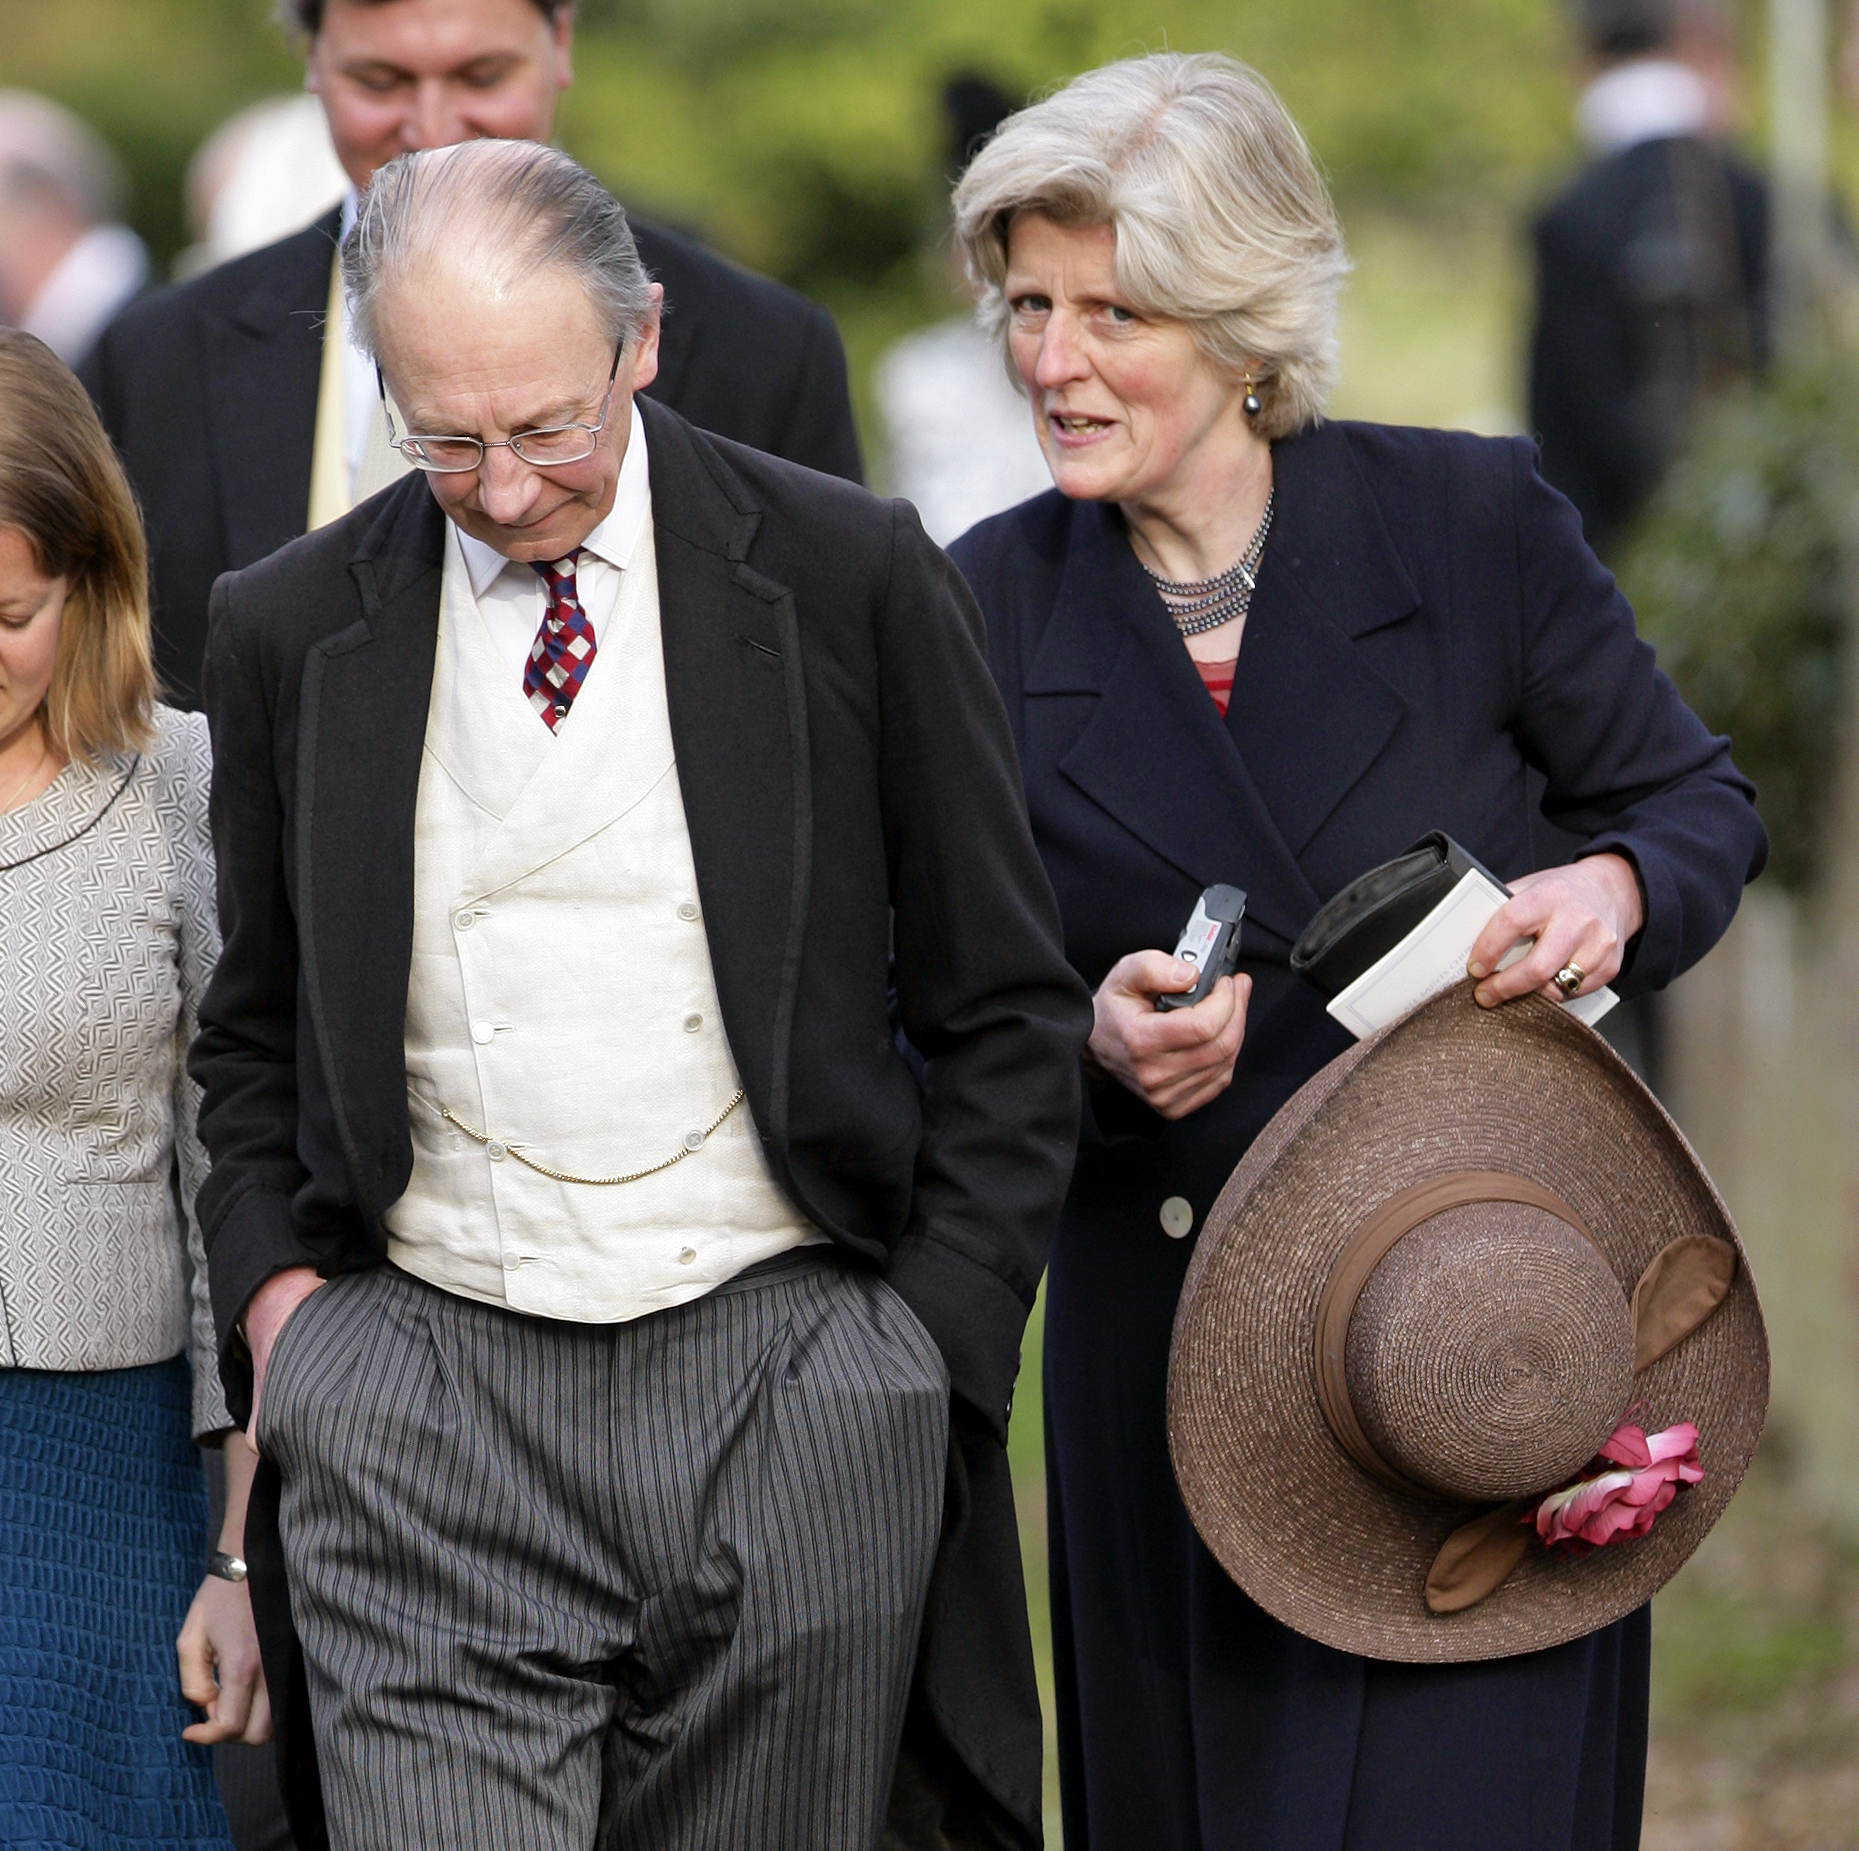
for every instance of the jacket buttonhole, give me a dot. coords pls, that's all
(760, 648)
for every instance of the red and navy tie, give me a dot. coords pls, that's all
(563, 651)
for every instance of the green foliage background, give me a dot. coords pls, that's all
(1741, 575)
(803, 134)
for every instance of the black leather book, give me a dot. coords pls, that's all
(1364, 922)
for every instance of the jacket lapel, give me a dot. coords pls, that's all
(361, 727)
(263, 366)
(1236, 801)
(1154, 752)
(737, 700)
(1309, 713)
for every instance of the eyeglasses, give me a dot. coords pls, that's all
(546, 448)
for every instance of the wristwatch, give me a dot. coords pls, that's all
(226, 1567)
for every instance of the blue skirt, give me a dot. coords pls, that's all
(103, 1517)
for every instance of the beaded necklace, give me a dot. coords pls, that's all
(1205, 604)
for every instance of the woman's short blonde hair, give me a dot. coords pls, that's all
(1221, 218)
(62, 487)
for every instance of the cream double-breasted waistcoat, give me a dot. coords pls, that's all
(561, 1001)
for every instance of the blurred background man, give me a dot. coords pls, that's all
(1652, 268)
(244, 415)
(66, 262)
(262, 174)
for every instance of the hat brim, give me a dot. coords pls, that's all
(1311, 1538)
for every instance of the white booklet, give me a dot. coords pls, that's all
(1432, 958)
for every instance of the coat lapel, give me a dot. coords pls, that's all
(1238, 800)
(1154, 752)
(263, 366)
(1310, 715)
(737, 700)
(362, 724)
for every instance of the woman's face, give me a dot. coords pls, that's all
(30, 608)
(1126, 407)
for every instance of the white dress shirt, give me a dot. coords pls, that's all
(512, 597)
(1645, 99)
(93, 279)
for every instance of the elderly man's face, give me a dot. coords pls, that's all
(395, 75)
(463, 359)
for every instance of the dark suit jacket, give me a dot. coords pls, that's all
(1651, 285)
(1428, 627)
(209, 392)
(849, 785)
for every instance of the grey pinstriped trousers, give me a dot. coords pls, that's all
(646, 1584)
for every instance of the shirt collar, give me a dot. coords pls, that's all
(100, 272)
(612, 541)
(1645, 99)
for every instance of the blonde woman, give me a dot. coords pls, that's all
(1239, 644)
(107, 1374)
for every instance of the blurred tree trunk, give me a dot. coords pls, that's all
(1800, 260)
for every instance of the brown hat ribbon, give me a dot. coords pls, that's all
(1367, 1247)
(1684, 1283)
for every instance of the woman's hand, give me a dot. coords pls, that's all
(218, 1646)
(1174, 1059)
(1583, 914)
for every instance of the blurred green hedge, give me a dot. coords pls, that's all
(1742, 572)
(804, 136)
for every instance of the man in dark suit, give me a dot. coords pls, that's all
(611, 1304)
(1652, 268)
(241, 425)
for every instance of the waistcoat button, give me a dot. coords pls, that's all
(481, 1033)
(687, 1256)
(687, 909)
(465, 920)
(692, 1023)
(496, 1151)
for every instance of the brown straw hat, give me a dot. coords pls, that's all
(1425, 1300)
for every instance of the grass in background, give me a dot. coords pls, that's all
(1026, 1453)
(1755, 1671)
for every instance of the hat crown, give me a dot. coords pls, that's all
(1490, 1352)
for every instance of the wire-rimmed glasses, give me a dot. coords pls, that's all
(546, 448)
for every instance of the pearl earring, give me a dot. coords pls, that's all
(1250, 404)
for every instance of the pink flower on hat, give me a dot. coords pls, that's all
(1612, 1505)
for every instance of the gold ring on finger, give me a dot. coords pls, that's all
(1569, 980)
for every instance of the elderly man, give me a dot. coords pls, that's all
(244, 414)
(66, 263)
(617, 1300)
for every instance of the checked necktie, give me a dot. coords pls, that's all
(563, 651)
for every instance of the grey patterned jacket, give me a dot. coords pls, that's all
(105, 945)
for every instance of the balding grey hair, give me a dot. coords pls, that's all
(508, 209)
(46, 152)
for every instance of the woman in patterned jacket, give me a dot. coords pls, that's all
(107, 1373)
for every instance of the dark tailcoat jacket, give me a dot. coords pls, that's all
(852, 800)
(1427, 628)
(1651, 286)
(209, 393)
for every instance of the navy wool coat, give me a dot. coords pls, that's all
(1428, 628)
